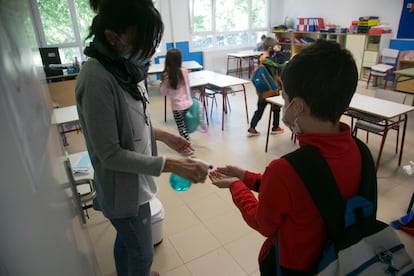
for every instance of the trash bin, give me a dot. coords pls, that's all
(157, 219)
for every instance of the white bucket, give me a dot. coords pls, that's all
(157, 218)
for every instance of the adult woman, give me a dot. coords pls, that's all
(318, 84)
(112, 105)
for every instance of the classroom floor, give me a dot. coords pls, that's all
(203, 233)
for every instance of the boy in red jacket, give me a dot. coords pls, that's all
(318, 84)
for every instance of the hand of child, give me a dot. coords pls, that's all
(231, 171)
(221, 180)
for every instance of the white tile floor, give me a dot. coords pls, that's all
(203, 232)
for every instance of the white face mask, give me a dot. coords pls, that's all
(137, 60)
(294, 127)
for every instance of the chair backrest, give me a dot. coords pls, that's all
(389, 56)
(390, 95)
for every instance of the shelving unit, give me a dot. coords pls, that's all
(285, 41)
(364, 47)
(302, 39)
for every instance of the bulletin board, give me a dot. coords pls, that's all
(406, 29)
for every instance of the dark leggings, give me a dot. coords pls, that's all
(261, 105)
(179, 116)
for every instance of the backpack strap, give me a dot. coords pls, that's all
(314, 171)
(368, 187)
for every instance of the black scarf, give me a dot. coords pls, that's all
(127, 74)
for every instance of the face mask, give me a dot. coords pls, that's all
(294, 127)
(137, 60)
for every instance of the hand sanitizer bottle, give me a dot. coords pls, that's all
(181, 184)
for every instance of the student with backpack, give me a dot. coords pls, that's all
(272, 59)
(175, 84)
(318, 84)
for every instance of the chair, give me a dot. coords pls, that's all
(378, 125)
(82, 199)
(210, 94)
(386, 66)
(211, 91)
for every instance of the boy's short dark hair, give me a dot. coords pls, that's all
(325, 76)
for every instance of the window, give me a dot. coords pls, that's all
(64, 24)
(219, 23)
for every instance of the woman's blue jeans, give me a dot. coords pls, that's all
(133, 248)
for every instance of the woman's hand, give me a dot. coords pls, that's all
(221, 180)
(175, 142)
(188, 168)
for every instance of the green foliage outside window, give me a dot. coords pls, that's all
(222, 23)
(56, 21)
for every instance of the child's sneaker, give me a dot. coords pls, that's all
(277, 130)
(253, 132)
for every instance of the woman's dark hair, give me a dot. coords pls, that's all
(172, 68)
(325, 76)
(137, 17)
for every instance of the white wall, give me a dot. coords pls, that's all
(177, 26)
(339, 12)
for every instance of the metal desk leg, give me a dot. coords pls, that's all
(402, 139)
(223, 107)
(165, 108)
(245, 103)
(268, 127)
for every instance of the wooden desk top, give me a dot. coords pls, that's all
(64, 115)
(190, 65)
(276, 100)
(405, 72)
(378, 107)
(216, 79)
(245, 54)
(367, 104)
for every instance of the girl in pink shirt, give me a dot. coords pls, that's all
(175, 83)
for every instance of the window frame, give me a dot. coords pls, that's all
(214, 33)
(78, 42)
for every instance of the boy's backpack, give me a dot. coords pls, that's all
(358, 244)
(265, 85)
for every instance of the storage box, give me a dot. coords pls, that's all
(371, 22)
(378, 31)
(313, 24)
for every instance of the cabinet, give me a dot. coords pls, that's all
(364, 47)
(356, 44)
(373, 44)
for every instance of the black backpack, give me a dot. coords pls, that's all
(358, 243)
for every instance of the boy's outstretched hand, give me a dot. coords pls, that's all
(221, 180)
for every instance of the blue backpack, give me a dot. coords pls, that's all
(264, 83)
